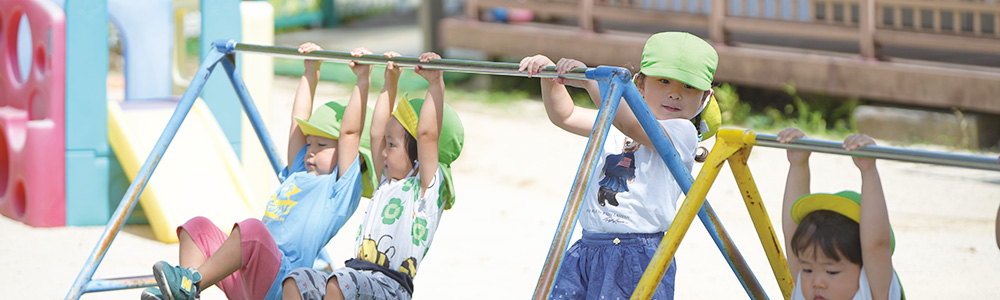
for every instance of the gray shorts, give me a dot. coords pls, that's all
(354, 284)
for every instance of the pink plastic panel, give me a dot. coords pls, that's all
(32, 115)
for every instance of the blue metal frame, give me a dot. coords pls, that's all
(614, 83)
(84, 282)
(609, 90)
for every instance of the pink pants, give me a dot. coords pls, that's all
(260, 259)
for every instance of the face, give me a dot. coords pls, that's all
(823, 278)
(321, 155)
(397, 161)
(671, 99)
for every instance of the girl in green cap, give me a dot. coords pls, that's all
(625, 215)
(840, 245)
(414, 147)
(320, 189)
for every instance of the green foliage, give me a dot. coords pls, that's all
(733, 111)
(771, 111)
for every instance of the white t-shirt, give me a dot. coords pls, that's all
(398, 228)
(634, 190)
(864, 289)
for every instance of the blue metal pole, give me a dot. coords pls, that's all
(683, 177)
(113, 284)
(610, 91)
(249, 107)
(139, 182)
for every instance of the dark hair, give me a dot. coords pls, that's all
(640, 78)
(831, 233)
(411, 147)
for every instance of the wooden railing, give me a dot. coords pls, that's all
(963, 25)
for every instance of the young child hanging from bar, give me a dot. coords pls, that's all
(414, 147)
(320, 189)
(624, 216)
(840, 245)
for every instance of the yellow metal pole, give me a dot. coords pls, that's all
(761, 221)
(685, 215)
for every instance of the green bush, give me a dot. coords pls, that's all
(770, 111)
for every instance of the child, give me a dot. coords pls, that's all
(842, 246)
(625, 216)
(320, 190)
(415, 188)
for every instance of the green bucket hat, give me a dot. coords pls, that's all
(681, 56)
(449, 145)
(325, 122)
(846, 203)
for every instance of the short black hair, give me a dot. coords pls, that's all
(411, 147)
(831, 233)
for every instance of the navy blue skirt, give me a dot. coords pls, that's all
(605, 266)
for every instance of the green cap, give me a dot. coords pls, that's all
(846, 203)
(681, 56)
(449, 143)
(325, 122)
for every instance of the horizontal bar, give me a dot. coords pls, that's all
(113, 284)
(881, 152)
(455, 65)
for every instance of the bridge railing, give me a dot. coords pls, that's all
(963, 25)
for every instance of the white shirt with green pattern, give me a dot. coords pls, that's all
(399, 225)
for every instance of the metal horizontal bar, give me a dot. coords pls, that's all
(123, 283)
(881, 152)
(454, 65)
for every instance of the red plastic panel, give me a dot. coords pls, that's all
(32, 115)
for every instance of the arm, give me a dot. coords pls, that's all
(796, 186)
(429, 126)
(383, 110)
(302, 105)
(876, 241)
(558, 104)
(353, 122)
(625, 119)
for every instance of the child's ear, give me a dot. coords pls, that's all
(708, 96)
(638, 83)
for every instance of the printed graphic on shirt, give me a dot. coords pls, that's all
(619, 171)
(411, 184)
(409, 267)
(369, 251)
(281, 203)
(419, 231)
(392, 211)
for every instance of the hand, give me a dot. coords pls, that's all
(534, 64)
(564, 66)
(856, 141)
(310, 64)
(392, 71)
(788, 135)
(360, 70)
(431, 75)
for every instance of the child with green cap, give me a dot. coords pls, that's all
(840, 245)
(320, 189)
(414, 148)
(625, 216)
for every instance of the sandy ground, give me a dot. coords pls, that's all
(513, 179)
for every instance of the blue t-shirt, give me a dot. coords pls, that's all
(307, 211)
